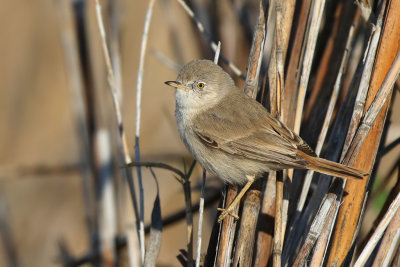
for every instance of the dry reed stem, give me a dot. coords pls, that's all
(227, 232)
(279, 57)
(364, 83)
(391, 239)
(396, 260)
(390, 243)
(349, 213)
(366, 9)
(300, 224)
(344, 15)
(244, 248)
(327, 121)
(246, 236)
(394, 207)
(313, 29)
(256, 55)
(272, 69)
(289, 96)
(276, 83)
(284, 17)
(376, 106)
(278, 231)
(323, 240)
(325, 213)
(265, 224)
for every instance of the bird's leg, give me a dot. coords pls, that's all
(236, 201)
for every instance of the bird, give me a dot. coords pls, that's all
(233, 136)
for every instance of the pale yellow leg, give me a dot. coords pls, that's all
(236, 201)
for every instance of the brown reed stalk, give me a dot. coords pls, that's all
(350, 210)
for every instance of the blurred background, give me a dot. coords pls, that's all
(43, 209)
(40, 186)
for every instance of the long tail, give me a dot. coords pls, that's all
(332, 168)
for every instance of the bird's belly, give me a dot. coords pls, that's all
(230, 168)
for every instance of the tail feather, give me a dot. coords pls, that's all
(332, 168)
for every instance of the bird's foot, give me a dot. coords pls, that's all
(228, 211)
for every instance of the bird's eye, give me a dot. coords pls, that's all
(200, 85)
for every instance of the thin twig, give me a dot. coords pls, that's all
(123, 143)
(180, 214)
(189, 222)
(217, 52)
(213, 45)
(161, 165)
(166, 61)
(143, 48)
(201, 215)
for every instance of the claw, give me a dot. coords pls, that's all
(226, 212)
(231, 209)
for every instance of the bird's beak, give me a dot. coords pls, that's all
(176, 84)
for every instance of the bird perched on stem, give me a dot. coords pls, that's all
(233, 136)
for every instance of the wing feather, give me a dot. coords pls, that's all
(258, 136)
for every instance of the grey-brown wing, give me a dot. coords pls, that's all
(261, 146)
(281, 129)
(250, 132)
